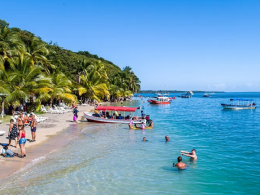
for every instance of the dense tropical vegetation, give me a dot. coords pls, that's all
(35, 71)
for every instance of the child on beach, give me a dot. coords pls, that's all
(75, 114)
(22, 141)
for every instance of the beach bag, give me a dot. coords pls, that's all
(74, 118)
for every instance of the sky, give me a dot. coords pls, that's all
(170, 44)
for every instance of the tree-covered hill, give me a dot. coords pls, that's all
(33, 69)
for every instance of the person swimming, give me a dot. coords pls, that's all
(144, 139)
(180, 164)
(191, 154)
(167, 138)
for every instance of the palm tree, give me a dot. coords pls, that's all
(94, 80)
(25, 81)
(61, 89)
(37, 52)
(10, 42)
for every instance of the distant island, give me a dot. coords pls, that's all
(176, 91)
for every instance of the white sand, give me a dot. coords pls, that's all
(46, 129)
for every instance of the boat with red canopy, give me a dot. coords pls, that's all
(113, 114)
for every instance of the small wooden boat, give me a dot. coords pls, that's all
(240, 104)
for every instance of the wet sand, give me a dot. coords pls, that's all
(49, 137)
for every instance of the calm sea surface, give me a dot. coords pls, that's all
(111, 159)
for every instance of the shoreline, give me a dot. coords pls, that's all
(49, 137)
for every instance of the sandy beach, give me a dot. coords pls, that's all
(47, 140)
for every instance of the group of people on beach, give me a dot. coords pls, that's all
(18, 134)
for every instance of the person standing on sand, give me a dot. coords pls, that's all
(180, 165)
(73, 105)
(33, 128)
(191, 154)
(22, 141)
(20, 121)
(12, 133)
(75, 116)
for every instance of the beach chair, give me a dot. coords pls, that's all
(43, 109)
(13, 119)
(39, 117)
(54, 111)
(61, 111)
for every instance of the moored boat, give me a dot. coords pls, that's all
(205, 95)
(161, 100)
(188, 94)
(239, 104)
(124, 119)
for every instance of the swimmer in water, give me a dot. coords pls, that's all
(167, 138)
(180, 165)
(191, 154)
(144, 139)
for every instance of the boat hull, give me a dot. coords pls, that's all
(237, 107)
(91, 118)
(159, 102)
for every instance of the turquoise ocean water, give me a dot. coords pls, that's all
(111, 159)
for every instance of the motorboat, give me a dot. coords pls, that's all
(125, 114)
(188, 94)
(161, 100)
(205, 95)
(239, 104)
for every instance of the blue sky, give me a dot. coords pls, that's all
(170, 44)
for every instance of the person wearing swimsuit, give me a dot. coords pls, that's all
(12, 133)
(20, 121)
(22, 141)
(33, 128)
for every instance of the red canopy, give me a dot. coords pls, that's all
(117, 108)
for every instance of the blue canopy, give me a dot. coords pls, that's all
(241, 99)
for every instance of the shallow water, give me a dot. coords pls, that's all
(111, 159)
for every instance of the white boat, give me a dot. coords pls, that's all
(240, 104)
(188, 94)
(125, 119)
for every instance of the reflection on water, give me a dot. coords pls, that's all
(111, 159)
